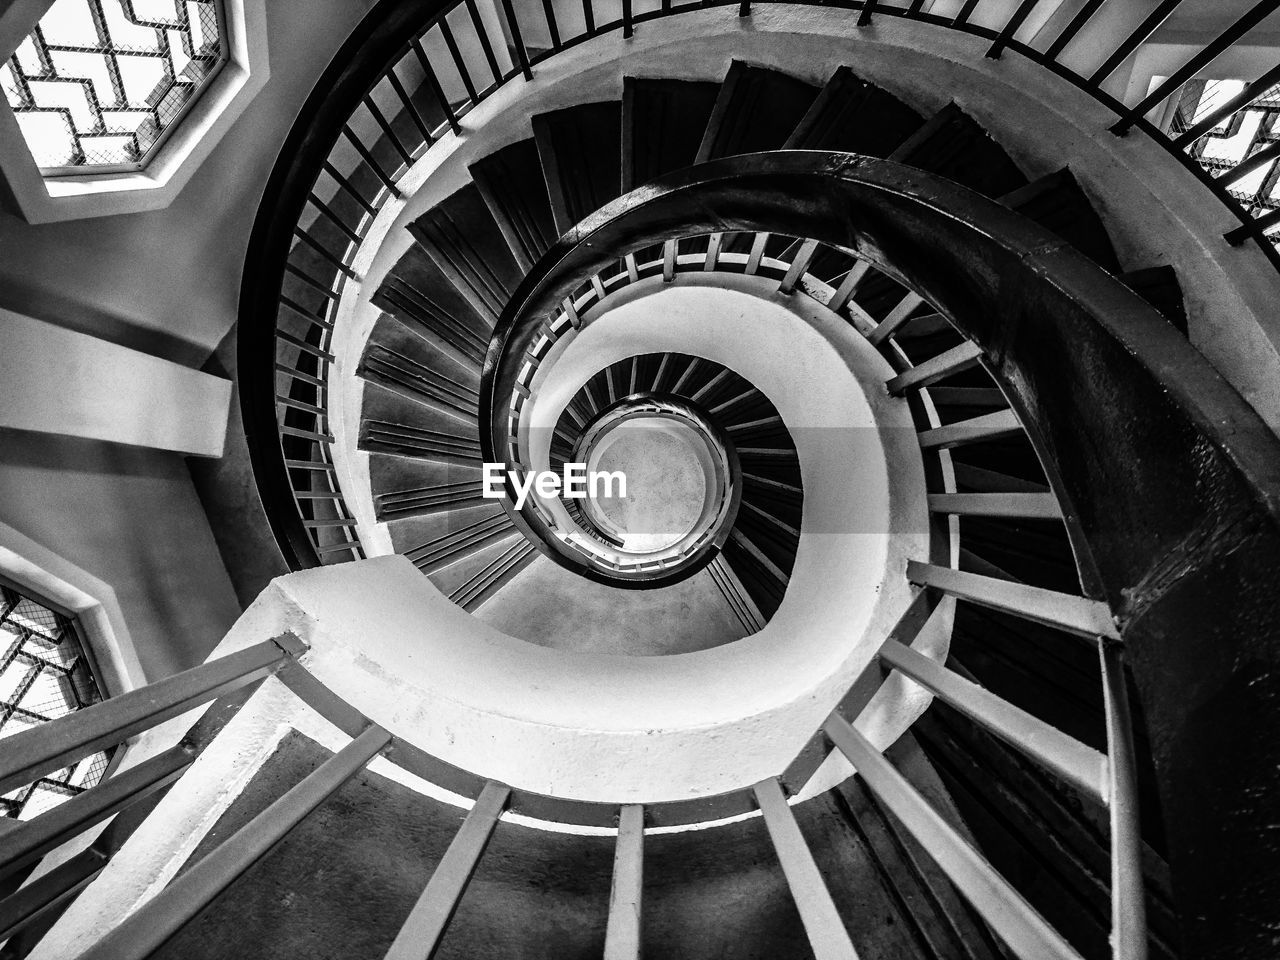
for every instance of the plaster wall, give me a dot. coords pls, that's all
(129, 517)
(60, 382)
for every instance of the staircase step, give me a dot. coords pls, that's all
(405, 377)
(1057, 202)
(851, 114)
(418, 295)
(456, 545)
(462, 238)
(580, 157)
(756, 109)
(418, 443)
(662, 125)
(952, 144)
(430, 499)
(498, 573)
(1159, 287)
(510, 181)
(764, 582)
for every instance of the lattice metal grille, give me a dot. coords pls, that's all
(44, 674)
(1236, 139)
(99, 82)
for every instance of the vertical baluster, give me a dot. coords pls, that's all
(1082, 17)
(145, 930)
(549, 13)
(482, 33)
(1133, 41)
(451, 42)
(411, 108)
(589, 16)
(822, 923)
(1128, 907)
(623, 936)
(436, 88)
(522, 55)
(1011, 27)
(420, 936)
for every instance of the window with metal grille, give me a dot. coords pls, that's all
(99, 83)
(45, 673)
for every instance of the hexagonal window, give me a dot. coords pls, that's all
(98, 84)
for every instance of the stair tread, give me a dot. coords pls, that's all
(419, 295)
(757, 109)
(581, 163)
(851, 114)
(952, 144)
(510, 181)
(1056, 201)
(662, 125)
(461, 236)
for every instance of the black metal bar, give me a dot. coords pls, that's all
(522, 55)
(451, 42)
(744, 8)
(864, 16)
(549, 12)
(589, 16)
(626, 19)
(485, 45)
(345, 184)
(146, 929)
(332, 217)
(415, 114)
(1245, 231)
(1131, 43)
(376, 167)
(380, 119)
(1082, 17)
(965, 12)
(304, 312)
(33, 839)
(916, 7)
(430, 72)
(31, 754)
(1240, 100)
(315, 245)
(35, 899)
(311, 281)
(1211, 52)
(1011, 27)
(310, 348)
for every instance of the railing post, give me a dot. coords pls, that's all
(1128, 906)
(623, 935)
(146, 930)
(822, 923)
(420, 936)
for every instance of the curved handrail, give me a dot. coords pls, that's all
(1169, 481)
(283, 349)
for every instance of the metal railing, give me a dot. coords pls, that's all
(1108, 780)
(405, 79)
(590, 538)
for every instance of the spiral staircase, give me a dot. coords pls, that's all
(1063, 519)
